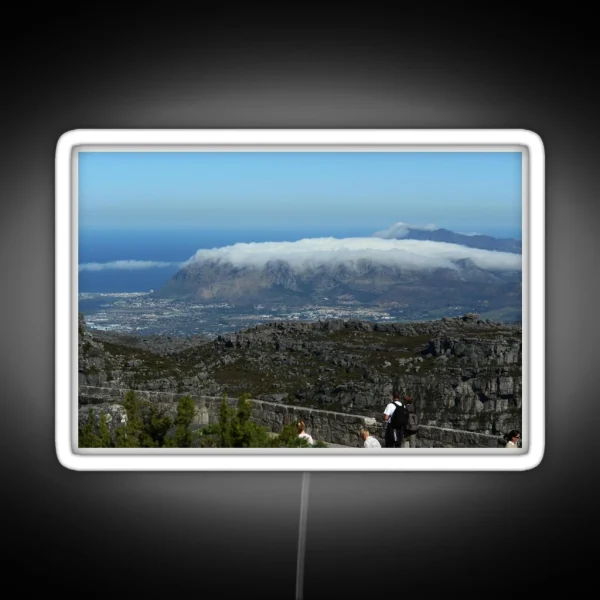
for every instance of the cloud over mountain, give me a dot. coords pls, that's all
(127, 265)
(313, 252)
(399, 230)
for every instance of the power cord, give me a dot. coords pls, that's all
(302, 536)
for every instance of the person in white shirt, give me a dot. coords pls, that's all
(301, 427)
(513, 439)
(369, 442)
(393, 437)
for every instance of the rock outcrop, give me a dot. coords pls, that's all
(464, 373)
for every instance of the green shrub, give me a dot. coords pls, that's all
(148, 427)
(185, 414)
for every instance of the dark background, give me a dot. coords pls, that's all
(373, 66)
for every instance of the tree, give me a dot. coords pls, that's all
(236, 430)
(182, 436)
(88, 438)
(183, 421)
(244, 432)
(288, 438)
(158, 426)
(146, 427)
(224, 426)
(131, 434)
(105, 439)
(149, 427)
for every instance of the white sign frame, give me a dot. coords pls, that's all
(331, 459)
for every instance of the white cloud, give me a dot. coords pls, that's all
(127, 265)
(313, 252)
(400, 229)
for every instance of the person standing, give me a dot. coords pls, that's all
(301, 428)
(513, 439)
(394, 422)
(412, 426)
(369, 441)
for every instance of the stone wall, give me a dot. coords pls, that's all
(328, 426)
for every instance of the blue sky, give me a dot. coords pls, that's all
(466, 192)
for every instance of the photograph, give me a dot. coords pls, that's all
(346, 300)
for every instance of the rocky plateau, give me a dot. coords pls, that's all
(464, 372)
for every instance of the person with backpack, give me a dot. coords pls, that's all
(396, 417)
(412, 425)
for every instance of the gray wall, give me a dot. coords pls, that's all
(327, 426)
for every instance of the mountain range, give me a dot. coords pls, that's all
(402, 267)
(484, 242)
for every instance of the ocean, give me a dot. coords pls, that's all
(176, 246)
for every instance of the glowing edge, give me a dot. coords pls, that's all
(239, 460)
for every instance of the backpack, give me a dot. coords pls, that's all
(399, 417)
(413, 420)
